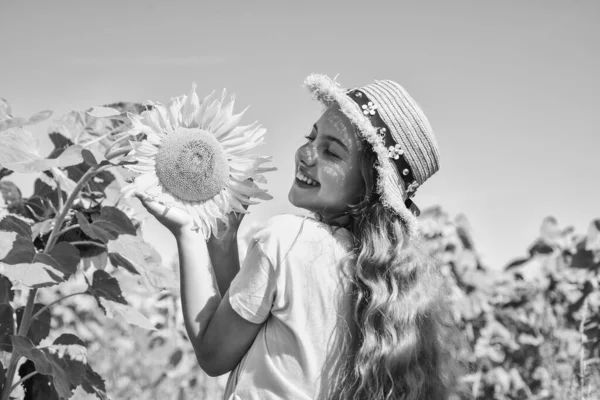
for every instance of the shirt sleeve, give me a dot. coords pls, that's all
(252, 291)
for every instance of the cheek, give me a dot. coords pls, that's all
(343, 181)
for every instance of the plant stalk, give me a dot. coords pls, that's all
(47, 306)
(29, 375)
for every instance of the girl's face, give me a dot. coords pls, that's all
(328, 177)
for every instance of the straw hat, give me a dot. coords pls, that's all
(399, 133)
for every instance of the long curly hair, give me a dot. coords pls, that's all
(401, 342)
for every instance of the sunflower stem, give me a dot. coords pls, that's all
(67, 206)
(117, 153)
(68, 228)
(29, 375)
(47, 306)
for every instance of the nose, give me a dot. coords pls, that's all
(307, 155)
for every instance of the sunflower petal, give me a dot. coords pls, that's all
(174, 111)
(190, 108)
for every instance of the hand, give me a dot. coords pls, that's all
(174, 219)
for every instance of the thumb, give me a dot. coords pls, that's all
(148, 202)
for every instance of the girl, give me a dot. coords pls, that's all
(345, 305)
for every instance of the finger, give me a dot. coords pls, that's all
(142, 196)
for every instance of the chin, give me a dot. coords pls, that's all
(296, 200)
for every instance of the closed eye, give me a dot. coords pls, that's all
(332, 154)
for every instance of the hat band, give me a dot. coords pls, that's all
(396, 154)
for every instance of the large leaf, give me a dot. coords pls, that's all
(114, 220)
(93, 383)
(118, 260)
(111, 223)
(64, 362)
(10, 223)
(19, 152)
(23, 264)
(93, 230)
(127, 314)
(104, 285)
(146, 260)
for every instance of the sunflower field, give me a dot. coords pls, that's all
(88, 310)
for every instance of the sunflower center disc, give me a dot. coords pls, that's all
(191, 165)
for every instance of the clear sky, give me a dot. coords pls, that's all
(512, 88)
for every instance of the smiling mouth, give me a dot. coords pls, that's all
(305, 180)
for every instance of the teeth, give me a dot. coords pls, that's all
(306, 179)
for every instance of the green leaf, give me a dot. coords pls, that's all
(7, 240)
(118, 260)
(100, 181)
(65, 258)
(88, 158)
(103, 112)
(6, 327)
(104, 285)
(19, 152)
(127, 314)
(65, 363)
(93, 383)
(23, 264)
(40, 328)
(146, 260)
(93, 230)
(11, 223)
(40, 116)
(68, 338)
(111, 223)
(21, 250)
(114, 220)
(10, 192)
(6, 292)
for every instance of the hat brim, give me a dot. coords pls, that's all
(389, 185)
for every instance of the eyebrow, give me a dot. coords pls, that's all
(333, 139)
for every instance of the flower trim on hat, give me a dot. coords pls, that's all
(328, 91)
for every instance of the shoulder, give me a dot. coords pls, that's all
(283, 231)
(281, 228)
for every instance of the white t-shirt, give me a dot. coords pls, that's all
(292, 281)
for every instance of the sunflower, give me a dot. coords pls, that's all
(195, 157)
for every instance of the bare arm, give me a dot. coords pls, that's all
(219, 336)
(200, 295)
(224, 254)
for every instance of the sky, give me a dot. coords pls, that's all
(511, 88)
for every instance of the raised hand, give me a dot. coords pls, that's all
(174, 219)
